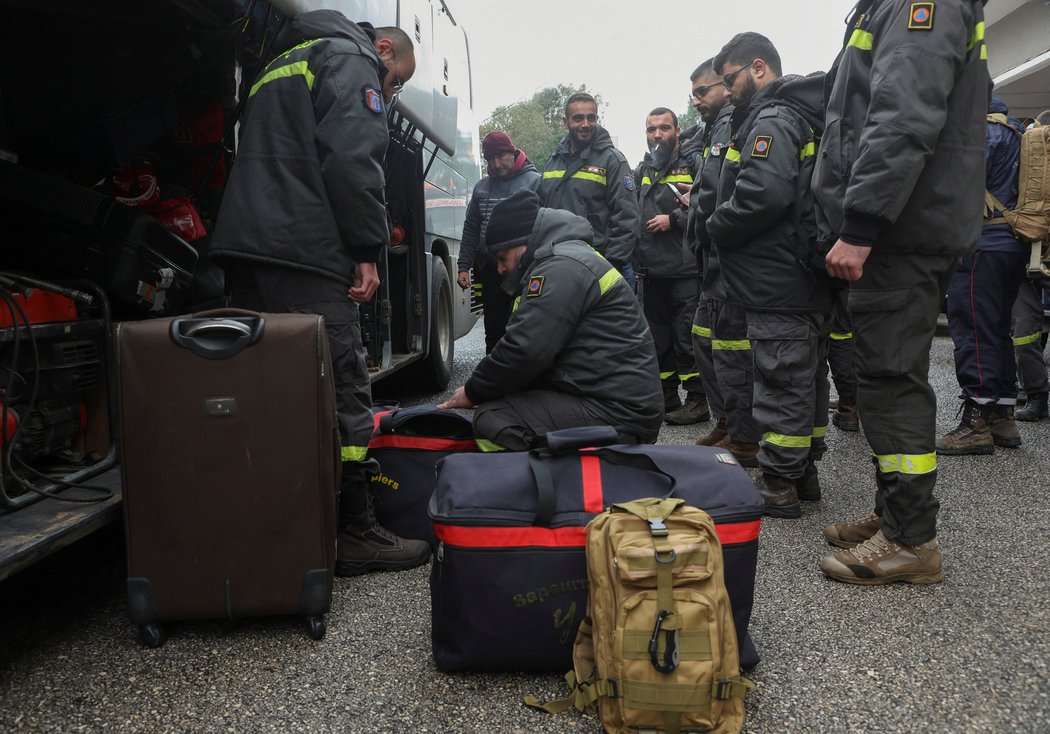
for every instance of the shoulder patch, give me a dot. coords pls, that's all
(762, 145)
(596, 170)
(372, 99)
(920, 17)
(535, 286)
(628, 182)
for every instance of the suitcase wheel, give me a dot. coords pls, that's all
(315, 626)
(152, 635)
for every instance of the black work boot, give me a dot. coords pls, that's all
(695, 410)
(1035, 409)
(1003, 426)
(973, 436)
(715, 435)
(779, 495)
(807, 487)
(845, 417)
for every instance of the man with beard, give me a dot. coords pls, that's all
(905, 124)
(509, 170)
(669, 297)
(720, 345)
(577, 351)
(764, 230)
(587, 176)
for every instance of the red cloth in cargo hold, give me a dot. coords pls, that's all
(509, 579)
(408, 443)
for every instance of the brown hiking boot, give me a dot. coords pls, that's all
(745, 452)
(779, 496)
(1004, 427)
(1035, 409)
(715, 435)
(881, 561)
(695, 410)
(807, 487)
(973, 436)
(365, 545)
(849, 534)
(846, 418)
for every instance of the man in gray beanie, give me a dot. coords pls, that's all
(577, 351)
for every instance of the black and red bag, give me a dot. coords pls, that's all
(408, 443)
(509, 578)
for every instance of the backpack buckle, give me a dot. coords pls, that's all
(657, 527)
(671, 657)
(723, 690)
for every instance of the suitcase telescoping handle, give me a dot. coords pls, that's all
(218, 334)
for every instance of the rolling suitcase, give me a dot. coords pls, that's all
(508, 583)
(230, 454)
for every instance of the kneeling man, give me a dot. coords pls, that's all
(577, 351)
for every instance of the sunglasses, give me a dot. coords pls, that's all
(727, 80)
(700, 92)
(399, 84)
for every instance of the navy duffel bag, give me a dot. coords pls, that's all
(508, 583)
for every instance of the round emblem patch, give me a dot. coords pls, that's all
(373, 100)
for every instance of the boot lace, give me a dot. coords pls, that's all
(874, 546)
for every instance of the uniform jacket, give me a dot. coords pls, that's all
(660, 253)
(901, 165)
(598, 185)
(578, 328)
(763, 224)
(488, 192)
(307, 190)
(715, 143)
(692, 141)
(1003, 158)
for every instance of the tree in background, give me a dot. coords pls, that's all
(535, 124)
(688, 118)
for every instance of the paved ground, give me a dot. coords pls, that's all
(969, 655)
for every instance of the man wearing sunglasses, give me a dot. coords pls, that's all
(764, 230)
(303, 221)
(720, 345)
(587, 176)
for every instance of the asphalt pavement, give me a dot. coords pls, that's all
(969, 655)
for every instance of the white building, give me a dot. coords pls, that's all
(1018, 41)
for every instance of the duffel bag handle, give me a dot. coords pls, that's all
(567, 440)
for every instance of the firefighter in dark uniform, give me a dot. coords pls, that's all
(763, 226)
(587, 176)
(905, 123)
(720, 344)
(671, 283)
(577, 351)
(304, 218)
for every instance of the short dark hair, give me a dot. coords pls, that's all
(705, 68)
(398, 38)
(1043, 118)
(579, 97)
(745, 47)
(664, 111)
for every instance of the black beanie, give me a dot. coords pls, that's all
(511, 221)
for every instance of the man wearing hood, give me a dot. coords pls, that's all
(899, 187)
(763, 227)
(509, 170)
(671, 280)
(577, 351)
(587, 176)
(303, 220)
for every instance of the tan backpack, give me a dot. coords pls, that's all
(657, 652)
(1030, 219)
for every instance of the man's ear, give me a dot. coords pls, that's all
(383, 46)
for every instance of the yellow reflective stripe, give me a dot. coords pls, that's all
(689, 376)
(1020, 341)
(702, 331)
(707, 151)
(838, 336)
(609, 279)
(732, 154)
(820, 431)
(646, 181)
(665, 375)
(807, 152)
(976, 37)
(984, 52)
(861, 39)
(353, 453)
(677, 178)
(298, 68)
(589, 177)
(517, 302)
(553, 174)
(788, 442)
(907, 463)
(737, 345)
(488, 446)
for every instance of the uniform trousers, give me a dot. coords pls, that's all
(723, 356)
(669, 305)
(894, 307)
(840, 349)
(1027, 337)
(496, 302)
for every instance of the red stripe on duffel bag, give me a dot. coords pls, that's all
(591, 468)
(387, 441)
(510, 537)
(738, 532)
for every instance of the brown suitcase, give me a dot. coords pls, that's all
(230, 465)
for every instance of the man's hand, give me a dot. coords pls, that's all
(463, 279)
(459, 399)
(659, 223)
(846, 261)
(686, 190)
(365, 283)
